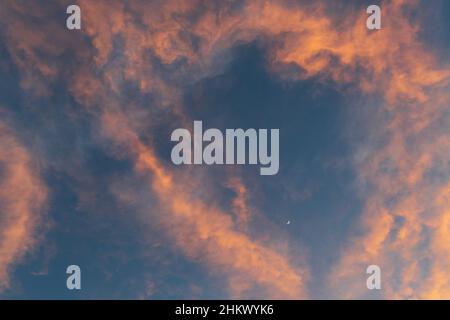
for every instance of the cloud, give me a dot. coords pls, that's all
(398, 221)
(205, 232)
(240, 205)
(162, 46)
(23, 198)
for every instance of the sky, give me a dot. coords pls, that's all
(86, 176)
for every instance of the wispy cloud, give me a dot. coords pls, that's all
(162, 46)
(23, 197)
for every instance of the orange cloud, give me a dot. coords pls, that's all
(240, 205)
(415, 88)
(22, 200)
(400, 209)
(206, 232)
(390, 61)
